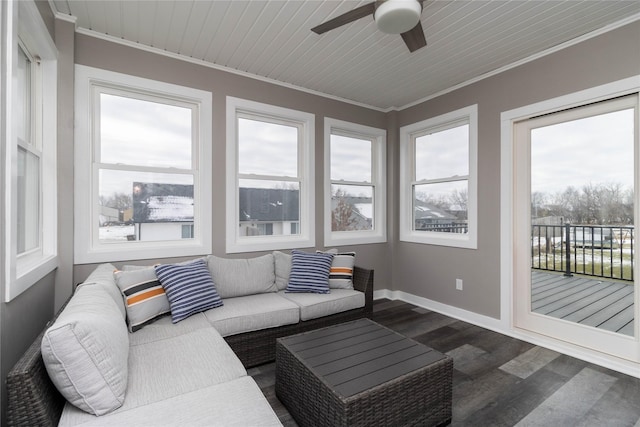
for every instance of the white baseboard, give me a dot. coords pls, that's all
(448, 310)
(621, 365)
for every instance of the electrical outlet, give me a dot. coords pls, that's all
(459, 284)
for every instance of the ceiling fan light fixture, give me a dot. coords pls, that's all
(397, 16)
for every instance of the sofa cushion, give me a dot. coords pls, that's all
(164, 328)
(239, 277)
(86, 351)
(131, 267)
(283, 269)
(313, 306)
(239, 402)
(189, 288)
(341, 274)
(164, 369)
(144, 296)
(102, 276)
(309, 272)
(252, 313)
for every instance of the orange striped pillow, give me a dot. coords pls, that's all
(341, 275)
(144, 296)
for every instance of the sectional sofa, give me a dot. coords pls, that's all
(113, 357)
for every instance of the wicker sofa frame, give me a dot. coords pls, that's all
(33, 400)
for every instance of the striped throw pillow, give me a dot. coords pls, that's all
(309, 272)
(144, 296)
(341, 275)
(189, 288)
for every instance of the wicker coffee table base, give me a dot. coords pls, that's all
(422, 397)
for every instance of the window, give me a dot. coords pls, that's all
(187, 231)
(355, 201)
(139, 180)
(438, 199)
(269, 183)
(29, 117)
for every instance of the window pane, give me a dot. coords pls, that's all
(144, 206)
(268, 207)
(441, 207)
(28, 201)
(443, 154)
(144, 133)
(351, 207)
(187, 231)
(23, 97)
(350, 159)
(267, 148)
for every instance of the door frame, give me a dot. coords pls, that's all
(509, 221)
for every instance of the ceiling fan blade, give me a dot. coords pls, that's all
(414, 38)
(345, 18)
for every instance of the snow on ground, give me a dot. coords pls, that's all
(116, 232)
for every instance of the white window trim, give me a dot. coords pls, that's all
(378, 181)
(407, 162)
(306, 237)
(22, 20)
(87, 248)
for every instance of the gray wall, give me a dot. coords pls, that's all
(430, 271)
(115, 57)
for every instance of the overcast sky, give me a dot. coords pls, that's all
(593, 150)
(142, 133)
(350, 159)
(443, 154)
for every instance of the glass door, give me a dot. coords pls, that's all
(576, 207)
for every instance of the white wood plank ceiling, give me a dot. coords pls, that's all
(272, 39)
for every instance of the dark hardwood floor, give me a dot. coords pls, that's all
(501, 381)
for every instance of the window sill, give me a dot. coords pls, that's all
(129, 251)
(29, 274)
(456, 241)
(353, 238)
(269, 243)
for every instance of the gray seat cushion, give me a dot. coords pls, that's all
(164, 369)
(163, 328)
(313, 306)
(235, 403)
(169, 367)
(252, 313)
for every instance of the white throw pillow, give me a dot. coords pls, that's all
(86, 352)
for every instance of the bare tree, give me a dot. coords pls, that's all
(342, 218)
(120, 201)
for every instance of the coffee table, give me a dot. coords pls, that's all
(361, 373)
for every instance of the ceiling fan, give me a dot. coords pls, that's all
(391, 16)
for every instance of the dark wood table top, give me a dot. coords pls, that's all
(356, 356)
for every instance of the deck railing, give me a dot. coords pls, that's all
(593, 250)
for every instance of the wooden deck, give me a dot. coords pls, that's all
(582, 299)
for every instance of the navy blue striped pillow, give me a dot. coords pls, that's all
(189, 288)
(309, 272)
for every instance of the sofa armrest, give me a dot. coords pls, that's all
(32, 397)
(363, 282)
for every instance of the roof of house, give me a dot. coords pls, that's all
(269, 204)
(154, 202)
(425, 210)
